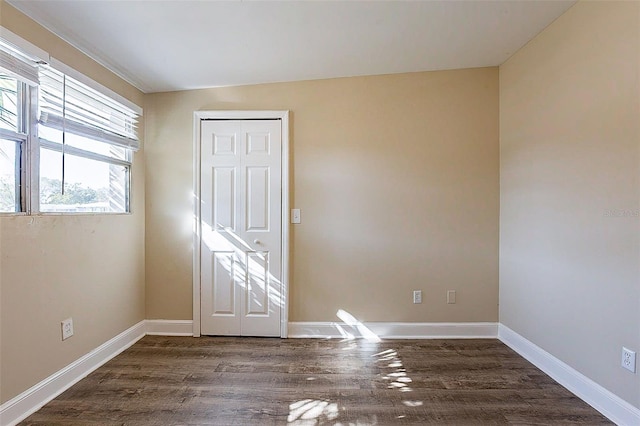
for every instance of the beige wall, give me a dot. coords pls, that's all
(87, 267)
(397, 179)
(570, 142)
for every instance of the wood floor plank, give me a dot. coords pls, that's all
(263, 381)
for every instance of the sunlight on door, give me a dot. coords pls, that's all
(251, 273)
(241, 228)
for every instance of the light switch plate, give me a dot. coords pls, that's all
(295, 215)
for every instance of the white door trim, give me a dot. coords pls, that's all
(198, 116)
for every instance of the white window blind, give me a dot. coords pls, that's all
(17, 64)
(67, 105)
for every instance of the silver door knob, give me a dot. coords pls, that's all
(256, 241)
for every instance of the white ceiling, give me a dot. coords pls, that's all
(175, 45)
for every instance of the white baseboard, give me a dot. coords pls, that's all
(612, 406)
(169, 327)
(28, 402)
(609, 404)
(396, 330)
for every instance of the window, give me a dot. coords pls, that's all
(86, 143)
(65, 145)
(13, 141)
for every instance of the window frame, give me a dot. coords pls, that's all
(29, 144)
(22, 137)
(78, 152)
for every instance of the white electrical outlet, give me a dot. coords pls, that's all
(67, 328)
(629, 359)
(417, 296)
(451, 297)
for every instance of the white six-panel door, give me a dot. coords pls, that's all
(241, 291)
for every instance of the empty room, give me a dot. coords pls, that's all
(319, 212)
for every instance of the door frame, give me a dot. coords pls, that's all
(198, 117)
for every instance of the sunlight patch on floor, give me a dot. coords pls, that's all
(312, 411)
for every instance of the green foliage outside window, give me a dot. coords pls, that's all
(74, 193)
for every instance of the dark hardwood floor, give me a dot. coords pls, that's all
(260, 381)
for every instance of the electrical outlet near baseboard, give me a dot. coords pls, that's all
(451, 297)
(67, 328)
(417, 296)
(629, 359)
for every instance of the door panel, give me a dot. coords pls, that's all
(258, 284)
(258, 143)
(241, 249)
(224, 290)
(224, 191)
(224, 144)
(258, 198)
